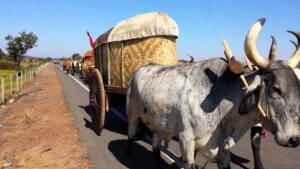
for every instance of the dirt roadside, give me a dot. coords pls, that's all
(37, 130)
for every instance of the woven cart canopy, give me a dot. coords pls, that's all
(140, 26)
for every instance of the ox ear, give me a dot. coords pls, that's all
(251, 98)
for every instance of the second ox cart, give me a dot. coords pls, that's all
(141, 40)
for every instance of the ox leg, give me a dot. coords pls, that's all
(187, 147)
(224, 160)
(132, 125)
(255, 135)
(156, 152)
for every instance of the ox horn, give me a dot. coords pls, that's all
(295, 44)
(250, 45)
(272, 53)
(295, 58)
(192, 58)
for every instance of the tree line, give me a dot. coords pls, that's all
(18, 46)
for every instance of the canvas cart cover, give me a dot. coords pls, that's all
(132, 43)
(144, 25)
(140, 26)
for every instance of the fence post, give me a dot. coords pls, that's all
(21, 79)
(17, 82)
(10, 84)
(2, 91)
(24, 76)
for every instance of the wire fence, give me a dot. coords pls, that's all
(11, 84)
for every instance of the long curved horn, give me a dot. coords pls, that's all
(250, 45)
(295, 58)
(272, 53)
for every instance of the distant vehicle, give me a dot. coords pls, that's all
(56, 62)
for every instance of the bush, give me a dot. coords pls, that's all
(10, 65)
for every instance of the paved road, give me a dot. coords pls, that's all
(108, 150)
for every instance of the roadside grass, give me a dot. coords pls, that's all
(7, 71)
(10, 65)
(29, 117)
(6, 64)
(7, 74)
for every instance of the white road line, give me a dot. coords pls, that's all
(87, 89)
(163, 150)
(59, 68)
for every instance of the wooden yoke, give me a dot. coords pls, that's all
(249, 63)
(234, 65)
(261, 110)
(237, 68)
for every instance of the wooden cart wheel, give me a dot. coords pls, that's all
(97, 101)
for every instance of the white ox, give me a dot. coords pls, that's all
(206, 107)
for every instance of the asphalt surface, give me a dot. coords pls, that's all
(108, 150)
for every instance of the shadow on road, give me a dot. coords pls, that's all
(89, 123)
(118, 147)
(143, 158)
(238, 160)
(112, 122)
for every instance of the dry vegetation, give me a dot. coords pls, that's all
(37, 131)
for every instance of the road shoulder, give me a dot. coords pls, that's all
(37, 130)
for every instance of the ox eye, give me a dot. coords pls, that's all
(276, 91)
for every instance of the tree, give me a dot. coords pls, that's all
(49, 59)
(2, 54)
(75, 56)
(18, 46)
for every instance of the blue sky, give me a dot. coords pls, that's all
(61, 25)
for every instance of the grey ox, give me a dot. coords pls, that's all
(208, 109)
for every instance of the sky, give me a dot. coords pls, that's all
(61, 25)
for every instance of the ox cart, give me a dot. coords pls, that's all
(87, 65)
(67, 65)
(141, 40)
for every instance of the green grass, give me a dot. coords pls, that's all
(6, 74)
(10, 65)
(7, 70)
